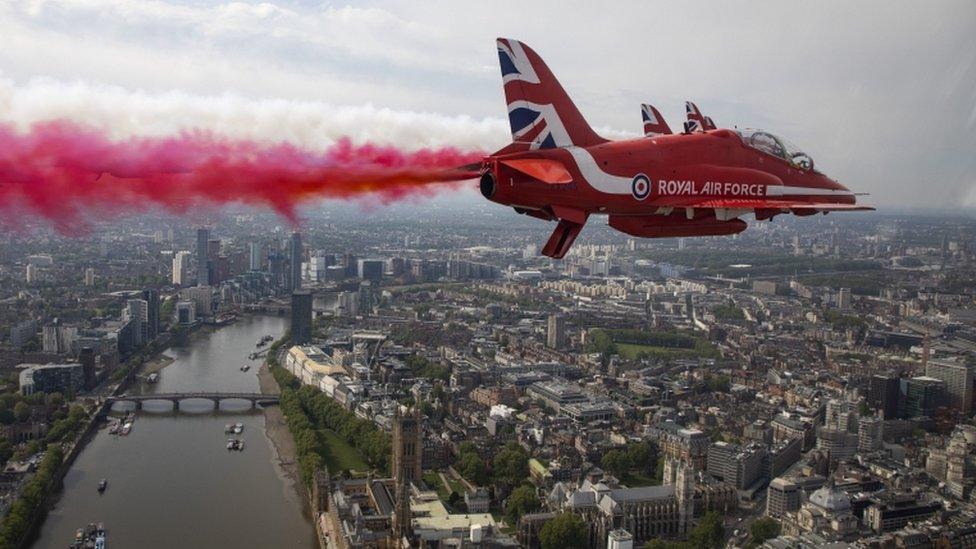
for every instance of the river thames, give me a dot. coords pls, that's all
(171, 481)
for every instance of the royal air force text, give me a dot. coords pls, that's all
(692, 187)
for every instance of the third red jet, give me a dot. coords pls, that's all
(696, 183)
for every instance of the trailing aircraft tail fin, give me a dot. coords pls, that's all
(654, 123)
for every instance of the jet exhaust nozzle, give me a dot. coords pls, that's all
(487, 185)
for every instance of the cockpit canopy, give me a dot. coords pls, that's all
(776, 146)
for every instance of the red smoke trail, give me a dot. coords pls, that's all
(71, 174)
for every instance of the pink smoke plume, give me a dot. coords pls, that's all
(71, 174)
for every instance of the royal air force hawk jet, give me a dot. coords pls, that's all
(696, 183)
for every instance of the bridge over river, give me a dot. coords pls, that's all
(254, 398)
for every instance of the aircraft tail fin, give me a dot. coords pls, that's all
(699, 120)
(654, 123)
(541, 114)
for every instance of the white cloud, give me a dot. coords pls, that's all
(124, 113)
(363, 33)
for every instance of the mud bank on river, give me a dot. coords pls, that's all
(277, 431)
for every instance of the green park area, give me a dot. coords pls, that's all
(766, 263)
(658, 344)
(433, 481)
(338, 454)
(634, 479)
(325, 433)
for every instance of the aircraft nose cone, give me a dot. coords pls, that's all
(833, 184)
(846, 195)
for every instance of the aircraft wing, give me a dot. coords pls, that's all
(764, 204)
(548, 171)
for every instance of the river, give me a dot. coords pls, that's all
(171, 482)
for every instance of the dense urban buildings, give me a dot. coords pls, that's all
(958, 378)
(815, 373)
(203, 257)
(181, 268)
(295, 254)
(301, 317)
(556, 331)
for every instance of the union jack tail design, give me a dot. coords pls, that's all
(654, 123)
(704, 122)
(541, 114)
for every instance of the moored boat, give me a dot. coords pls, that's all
(92, 536)
(235, 444)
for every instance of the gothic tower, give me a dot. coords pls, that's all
(407, 467)
(320, 490)
(401, 516)
(684, 490)
(407, 446)
(670, 470)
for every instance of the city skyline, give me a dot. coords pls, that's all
(750, 387)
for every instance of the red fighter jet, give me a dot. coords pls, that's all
(696, 183)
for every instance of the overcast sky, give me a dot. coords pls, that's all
(881, 94)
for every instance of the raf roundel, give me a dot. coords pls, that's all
(640, 186)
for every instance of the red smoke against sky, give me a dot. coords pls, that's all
(72, 175)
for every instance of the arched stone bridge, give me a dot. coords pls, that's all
(254, 398)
